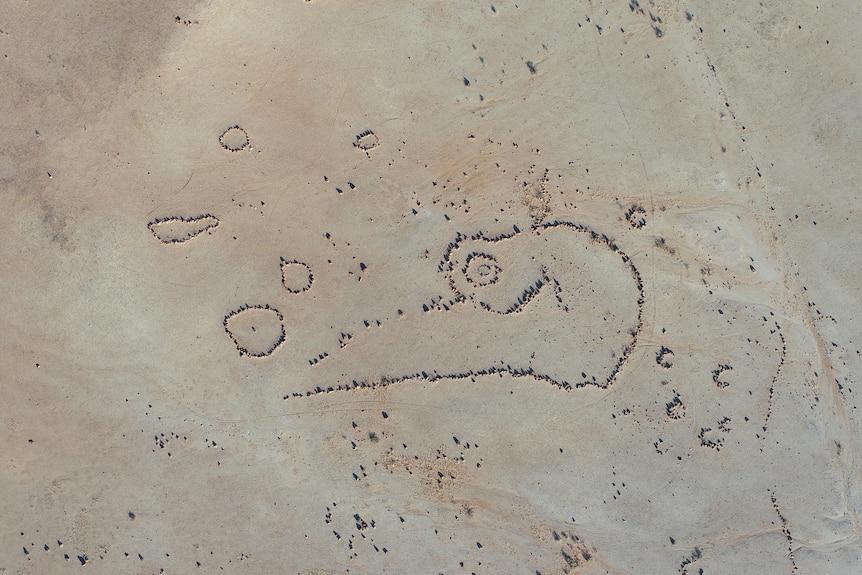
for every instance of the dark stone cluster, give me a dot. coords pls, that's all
(636, 216)
(675, 409)
(716, 374)
(344, 339)
(661, 357)
(707, 441)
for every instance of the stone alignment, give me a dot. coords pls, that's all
(366, 141)
(179, 229)
(518, 299)
(473, 266)
(481, 269)
(257, 330)
(234, 139)
(296, 276)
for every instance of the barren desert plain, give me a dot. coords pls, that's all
(341, 287)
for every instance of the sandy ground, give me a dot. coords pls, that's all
(377, 287)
